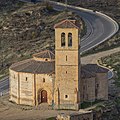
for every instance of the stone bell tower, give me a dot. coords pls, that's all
(67, 65)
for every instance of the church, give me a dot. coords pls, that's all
(58, 78)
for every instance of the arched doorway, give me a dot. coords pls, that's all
(43, 96)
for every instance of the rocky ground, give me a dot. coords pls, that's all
(26, 29)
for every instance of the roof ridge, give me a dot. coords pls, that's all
(49, 54)
(37, 68)
(59, 23)
(66, 20)
(72, 23)
(45, 54)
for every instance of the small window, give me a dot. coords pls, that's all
(26, 79)
(14, 76)
(69, 39)
(66, 96)
(46, 59)
(66, 57)
(66, 72)
(43, 80)
(97, 85)
(62, 39)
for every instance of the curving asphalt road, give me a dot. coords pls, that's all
(99, 29)
(99, 26)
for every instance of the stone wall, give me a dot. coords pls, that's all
(67, 70)
(87, 91)
(45, 82)
(13, 86)
(76, 116)
(26, 83)
(102, 86)
(25, 87)
(75, 33)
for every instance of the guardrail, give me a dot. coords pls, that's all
(5, 92)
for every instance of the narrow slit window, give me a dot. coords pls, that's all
(69, 39)
(43, 80)
(66, 57)
(62, 39)
(26, 78)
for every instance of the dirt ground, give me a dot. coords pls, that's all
(11, 111)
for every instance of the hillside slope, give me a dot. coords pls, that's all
(109, 7)
(26, 29)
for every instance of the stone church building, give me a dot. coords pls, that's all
(58, 78)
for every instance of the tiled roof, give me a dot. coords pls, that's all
(48, 67)
(94, 68)
(45, 54)
(86, 74)
(33, 66)
(68, 24)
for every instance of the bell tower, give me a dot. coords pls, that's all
(67, 65)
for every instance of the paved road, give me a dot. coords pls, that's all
(4, 86)
(99, 29)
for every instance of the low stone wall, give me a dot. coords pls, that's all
(81, 115)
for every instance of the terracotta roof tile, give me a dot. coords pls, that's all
(67, 24)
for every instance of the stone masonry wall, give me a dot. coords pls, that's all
(67, 69)
(47, 85)
(26, 88)
(102, 86)
(13, 86)
(88, 89)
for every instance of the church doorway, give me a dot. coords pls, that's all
(43, 96)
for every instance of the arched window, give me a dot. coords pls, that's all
(69, 39)
(63, 39)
